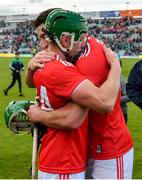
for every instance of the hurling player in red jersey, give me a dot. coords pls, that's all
(63, 153)
(110, 142)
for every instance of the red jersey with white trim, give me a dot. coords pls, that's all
(62, 151)
(109, 136)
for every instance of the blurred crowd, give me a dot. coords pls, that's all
(20, 36)
(122, 35)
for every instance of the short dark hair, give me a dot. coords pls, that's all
(42, 17)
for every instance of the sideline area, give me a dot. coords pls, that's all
(13, 55)
(30, 55)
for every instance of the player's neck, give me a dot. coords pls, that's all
(55, 49)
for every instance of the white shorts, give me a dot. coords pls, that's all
(117, 168)
(44, 175)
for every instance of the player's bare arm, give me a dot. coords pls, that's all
(37, 62)
(101, 99)
(71, 116)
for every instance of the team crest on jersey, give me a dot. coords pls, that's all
(99, 148)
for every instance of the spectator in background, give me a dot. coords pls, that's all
(124, 97)
(134, 85)
(16, 66)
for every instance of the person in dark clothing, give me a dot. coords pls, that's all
(134, 84)
(124, 98)
(16, 66)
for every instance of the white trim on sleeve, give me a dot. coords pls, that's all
(78, 86)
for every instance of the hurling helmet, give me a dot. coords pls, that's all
(60, 22)
(15, 116)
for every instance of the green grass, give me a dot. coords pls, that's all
(15, 151)
(134, 123)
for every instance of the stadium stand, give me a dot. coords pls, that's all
(18, 36)
(123, 34)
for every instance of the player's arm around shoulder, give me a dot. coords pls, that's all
(101, 99)
(37, 62)
(29, 78)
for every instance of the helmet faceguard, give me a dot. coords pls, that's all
(61, 22)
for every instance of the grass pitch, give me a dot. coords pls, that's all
(15, 151)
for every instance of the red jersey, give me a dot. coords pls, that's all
(109, 136)
(62, 151)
